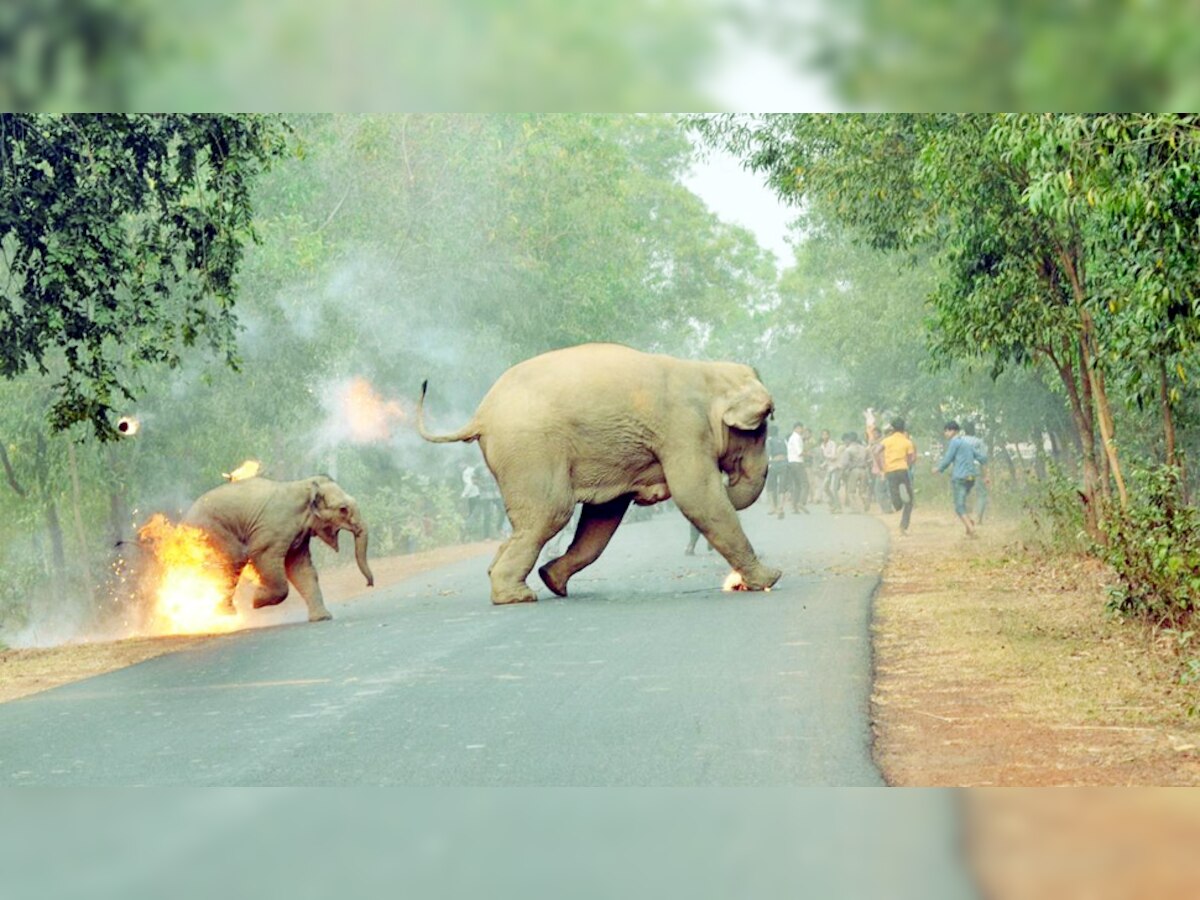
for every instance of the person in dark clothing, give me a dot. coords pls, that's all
(777, 472)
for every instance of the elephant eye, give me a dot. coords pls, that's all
(345, 510)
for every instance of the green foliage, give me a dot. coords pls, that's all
(392, 248)
(1056, 508)
(1154, 550)
(1125, 187)
(1022, 54)
(121, 240)
(896, 299)
(413, 512)
(21, 580)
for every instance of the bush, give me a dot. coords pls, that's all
(416, 513)
(22, 578)
(1056, 508)
(1154, 549)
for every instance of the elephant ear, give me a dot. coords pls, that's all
(324, 511)
(747, 407)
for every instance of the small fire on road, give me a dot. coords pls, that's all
(735, 582)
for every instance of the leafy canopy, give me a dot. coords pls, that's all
(120, 241)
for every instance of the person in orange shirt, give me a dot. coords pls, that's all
(897, 455)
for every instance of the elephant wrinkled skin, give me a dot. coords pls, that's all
(605, 425)
(269, 523)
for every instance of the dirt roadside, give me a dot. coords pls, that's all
(997, 666)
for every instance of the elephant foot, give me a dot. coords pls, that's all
(524, 595)
(556, 584)
(260, 602)
(762, 579)
(323, 615)
(227, 608)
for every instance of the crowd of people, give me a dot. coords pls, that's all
(875, 467)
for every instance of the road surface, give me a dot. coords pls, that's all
(647, 675)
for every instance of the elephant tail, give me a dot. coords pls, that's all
(469, 432)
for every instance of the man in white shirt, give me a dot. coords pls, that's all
(797, 477)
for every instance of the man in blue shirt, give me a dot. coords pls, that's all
(963, 455)
(982, 480)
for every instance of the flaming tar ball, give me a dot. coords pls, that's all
(128, 425)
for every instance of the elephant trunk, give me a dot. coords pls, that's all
(360, 553)
(747, 481)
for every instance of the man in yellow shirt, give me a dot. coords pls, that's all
(897, 455)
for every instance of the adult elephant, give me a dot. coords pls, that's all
(269, 524)
(604, 425)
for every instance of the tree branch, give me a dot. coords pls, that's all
(9, 474)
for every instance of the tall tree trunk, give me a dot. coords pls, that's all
(81, 532)
(1103, 408)
(118, 508)
(1008, 460)
(1072, 262)
(1039, 453)
(1055, 445)
(58, 557)
(1079, 397)
(9, 474)
(1164, 398)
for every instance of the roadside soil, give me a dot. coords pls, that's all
(996, 664)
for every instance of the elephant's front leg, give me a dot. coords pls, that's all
(702, 498)
(597, 523)
(303, 574)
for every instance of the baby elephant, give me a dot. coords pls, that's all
(604, 426)
(269, 523)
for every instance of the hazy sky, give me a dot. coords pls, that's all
(754, 79)
(738, 196)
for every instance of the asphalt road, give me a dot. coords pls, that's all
(648, 675)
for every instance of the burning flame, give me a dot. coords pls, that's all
(129, 425)
(248, 469)
(735, 582)
(192, 582)
(368, 417)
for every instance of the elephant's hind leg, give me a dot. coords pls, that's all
(597, 523)
(271, 588)
(532, 526)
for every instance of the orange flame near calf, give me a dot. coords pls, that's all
(249, 469)
(191, 582)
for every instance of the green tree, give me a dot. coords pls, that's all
(1129, 185)
(121, 240)
(1022, 54)
(1008, 283)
